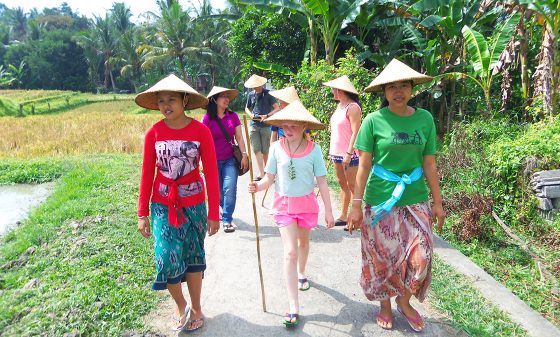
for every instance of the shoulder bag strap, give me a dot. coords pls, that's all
(226, 134)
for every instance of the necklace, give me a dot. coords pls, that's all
(291, 168)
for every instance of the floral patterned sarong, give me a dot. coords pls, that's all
(397, 253)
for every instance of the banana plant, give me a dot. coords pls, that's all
(328, 17)
(484, 55)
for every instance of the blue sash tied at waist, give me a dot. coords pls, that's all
(384, 208)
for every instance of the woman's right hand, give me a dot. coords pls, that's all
(355, 218)
(144, 227)
(244, 162)
(253, 187)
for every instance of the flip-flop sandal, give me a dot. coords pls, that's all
(178, 320)
(339, 222)
(415, 322)
(388, 321)
(228, 228)
(194, 325)
(290, 319)
(303, 284)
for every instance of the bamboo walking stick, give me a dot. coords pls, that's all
(254, 211)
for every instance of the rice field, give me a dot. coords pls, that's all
(104, 127)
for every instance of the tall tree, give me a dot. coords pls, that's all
(173, 39)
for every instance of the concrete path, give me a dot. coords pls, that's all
(334, 306)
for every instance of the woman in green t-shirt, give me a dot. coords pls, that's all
(397, 147)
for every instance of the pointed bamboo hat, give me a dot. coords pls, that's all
(342, 83)
(255, 81)
(287, 95)
(295, 112)
(231, 93)
(396, 71)
(148, 99)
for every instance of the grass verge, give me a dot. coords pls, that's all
(77, 264)
(452, 294)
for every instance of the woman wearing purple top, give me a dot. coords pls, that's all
(217, 112)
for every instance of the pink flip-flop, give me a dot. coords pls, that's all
(415, 323)
(385, 319)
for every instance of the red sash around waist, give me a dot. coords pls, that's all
(174, 215)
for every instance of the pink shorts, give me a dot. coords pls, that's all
(304, 210)
(303, 220)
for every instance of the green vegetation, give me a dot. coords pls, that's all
(92, 270)
(454, 295)
(486, 160)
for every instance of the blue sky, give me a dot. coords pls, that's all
(99, 7)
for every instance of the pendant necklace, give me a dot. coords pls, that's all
(291, 168)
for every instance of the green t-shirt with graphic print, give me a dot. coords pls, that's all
(398, 144)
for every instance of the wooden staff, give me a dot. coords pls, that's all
(254, 212)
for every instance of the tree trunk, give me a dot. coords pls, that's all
(442, 104)
(544, 72)
(312, 43)
(523, 62)
(112, 80)
(451, 110)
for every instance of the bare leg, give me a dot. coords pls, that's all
(345, 194)
(194, 283)
(176, 291)
(303, 250)
(289, 235)
(265, 159)
(260, 163)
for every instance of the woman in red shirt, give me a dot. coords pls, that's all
(173, 149)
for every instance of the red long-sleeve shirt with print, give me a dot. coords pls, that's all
(175, 153)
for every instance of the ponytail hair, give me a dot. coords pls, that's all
(354, 97)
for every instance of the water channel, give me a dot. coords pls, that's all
(16, 201)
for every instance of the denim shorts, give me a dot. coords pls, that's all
(354, 161)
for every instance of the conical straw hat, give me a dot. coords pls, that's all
(295, 112)
(231, 93)
(148, 98)
(396, 71)
(287, 95)
(342, 83)
(255, 81)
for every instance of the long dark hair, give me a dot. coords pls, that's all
(212, 109)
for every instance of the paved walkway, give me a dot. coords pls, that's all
(334, 306)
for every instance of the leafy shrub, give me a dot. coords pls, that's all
(7, 107)
(30, 171)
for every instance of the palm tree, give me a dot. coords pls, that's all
(100, 41)
(174, 38)
(18, 21)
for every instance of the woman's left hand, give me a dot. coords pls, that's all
(346, 160)
(213, 227)
(438, 215)
(244, 162)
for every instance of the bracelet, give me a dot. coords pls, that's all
(244, 152)
(143, 217)
(356, 199)
(349, 153)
